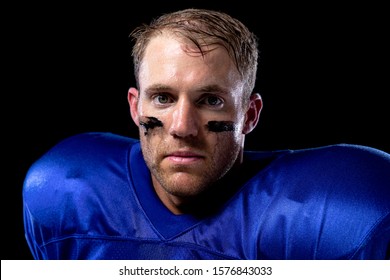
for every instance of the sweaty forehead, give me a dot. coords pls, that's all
(167, 44)
(171, 57)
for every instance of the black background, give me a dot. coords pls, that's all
(323, 76)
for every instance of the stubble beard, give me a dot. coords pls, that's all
(187, 183)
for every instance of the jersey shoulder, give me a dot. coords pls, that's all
(341, 169)
(80, 149)
(336, 196)
(76, 166)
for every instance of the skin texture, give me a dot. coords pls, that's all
(220, 126)
(191, 116)
(152, 123)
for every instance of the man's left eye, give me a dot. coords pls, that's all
(212, 101)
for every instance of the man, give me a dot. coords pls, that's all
(186, 189)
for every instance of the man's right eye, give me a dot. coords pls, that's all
(161, 99)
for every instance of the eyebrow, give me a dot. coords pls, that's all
(157, 88)
(213, 89)
(208, 88)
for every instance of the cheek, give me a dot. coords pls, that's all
(150, 123)
(226, 151)
(151, 119)
(229, 139)
(151, 145)
(220, 126)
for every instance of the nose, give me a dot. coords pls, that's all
(184, 120)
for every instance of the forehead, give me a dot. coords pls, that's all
(170, 57)
(169, 46)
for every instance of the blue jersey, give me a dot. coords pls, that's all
(91, 197)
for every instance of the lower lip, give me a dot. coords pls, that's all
(184, 160)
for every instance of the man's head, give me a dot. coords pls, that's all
(195, 72)
(203, 28)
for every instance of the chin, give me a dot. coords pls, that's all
(186, 187)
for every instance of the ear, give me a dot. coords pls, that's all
(132, 98)
(253, 113)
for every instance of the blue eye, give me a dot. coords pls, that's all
(161, 99)
(212, 100)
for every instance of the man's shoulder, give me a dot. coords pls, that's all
(346, 151)
(85, 153)
(323, 159)
(336, 196)
(335, 157)
(355, 162)
(78, 176)
(334, 171)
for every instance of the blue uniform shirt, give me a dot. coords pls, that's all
(91, 197)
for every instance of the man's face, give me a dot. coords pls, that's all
(190, 114)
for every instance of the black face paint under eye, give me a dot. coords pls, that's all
(220, 126)
(151, 123)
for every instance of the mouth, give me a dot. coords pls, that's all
(184, 157)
